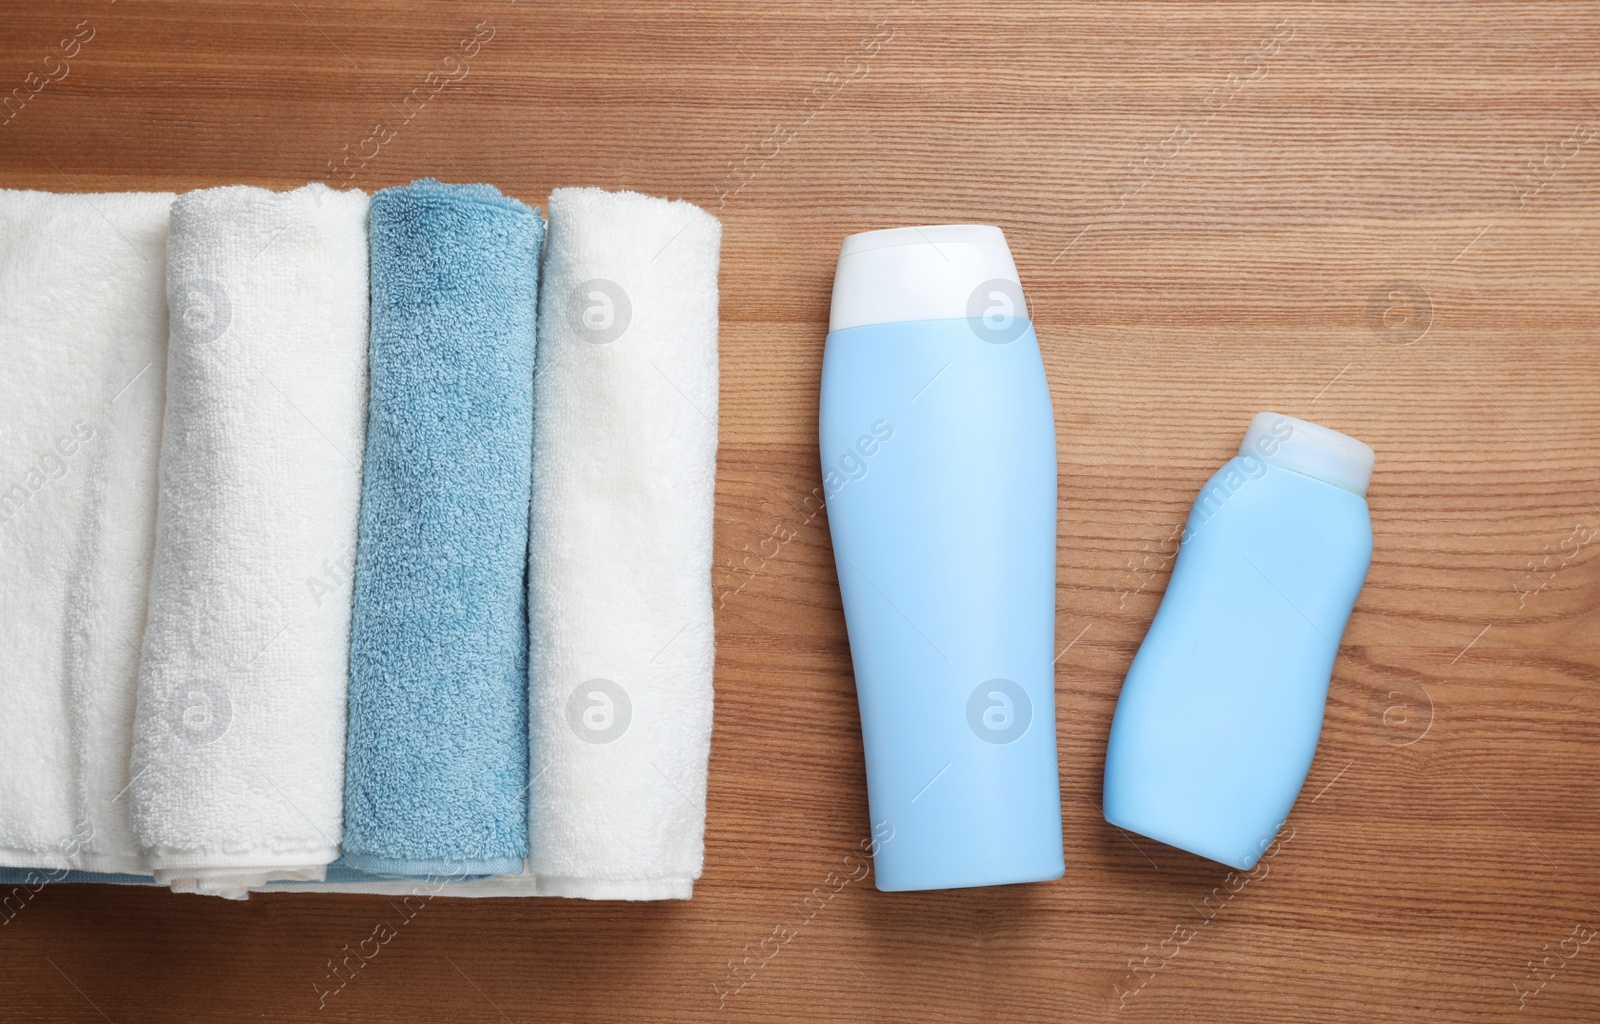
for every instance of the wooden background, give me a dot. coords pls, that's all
(1216, 209)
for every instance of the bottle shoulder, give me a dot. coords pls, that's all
(1249, 502)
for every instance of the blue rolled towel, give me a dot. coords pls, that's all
(436, 767)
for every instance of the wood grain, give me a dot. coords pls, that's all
(1203, 221)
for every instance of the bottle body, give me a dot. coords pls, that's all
(1222, 707)
(939, 464)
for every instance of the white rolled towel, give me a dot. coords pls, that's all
(238, 760)
(621, 638)
(83, 338)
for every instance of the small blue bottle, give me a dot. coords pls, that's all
(1221, 710)
(939, 466)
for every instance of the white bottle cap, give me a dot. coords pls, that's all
(1305, 447)
(938, 272)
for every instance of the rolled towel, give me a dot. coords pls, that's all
(239, 738)
(83, 339)
(620, 553)
(437, 766)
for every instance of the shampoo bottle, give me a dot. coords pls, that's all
(1221, 710)
(939, 466)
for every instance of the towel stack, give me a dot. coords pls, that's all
(259, 615)
(439, 663)
(618, 575)
(83, 336)
(238, 751)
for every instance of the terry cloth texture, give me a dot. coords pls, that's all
(624, 468)
(83, 340)
(437, 765)
(239, 736)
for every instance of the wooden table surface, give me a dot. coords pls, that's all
(1380, 216)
